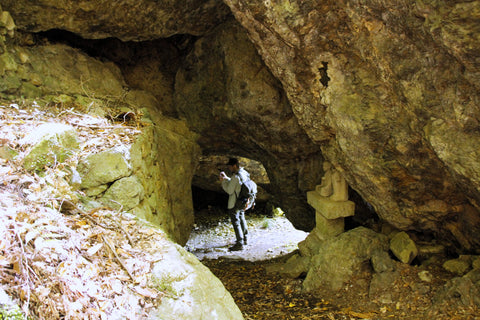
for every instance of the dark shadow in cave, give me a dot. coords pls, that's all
(365, 214)
(114, 49)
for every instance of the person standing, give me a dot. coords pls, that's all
(232, 186)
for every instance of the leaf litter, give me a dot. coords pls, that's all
(58, 261)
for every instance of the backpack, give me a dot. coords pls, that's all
(246, 197)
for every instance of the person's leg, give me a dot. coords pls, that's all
(235, 218)
(243, 224)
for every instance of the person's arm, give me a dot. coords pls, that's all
(228, 184)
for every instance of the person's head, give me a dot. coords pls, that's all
(233, 165)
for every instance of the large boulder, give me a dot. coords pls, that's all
(164, 158)
(339, 258)
(191, 290)
(103, 168)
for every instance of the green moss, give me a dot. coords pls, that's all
(164, 285)
(12, 313)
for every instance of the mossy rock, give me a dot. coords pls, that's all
(56, 143)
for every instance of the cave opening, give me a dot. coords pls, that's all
(270, 233)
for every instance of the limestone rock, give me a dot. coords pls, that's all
(54, 143)
(457, 266)
(191, 290)
(294, 267)
(382, 284)
(163, 159)
(125, 194)
(461, 290)
(330, 209)
(228, 96)
(386, 96)
(312, 243)
(403, 247)
(476, 263)
(425, 276)
(381, 89)
(6, 20)
(339, 258)
(381, 262)
(103, 168)
(131, 20)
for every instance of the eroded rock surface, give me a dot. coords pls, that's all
(388, 92)
(126, 19)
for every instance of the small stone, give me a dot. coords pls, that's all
(456, 266)
(425, 276)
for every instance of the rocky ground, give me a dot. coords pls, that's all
(261, 294)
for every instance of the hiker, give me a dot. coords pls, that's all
(237, 203)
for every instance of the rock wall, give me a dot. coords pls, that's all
(125, 19)
(388, 92)
(164, 157)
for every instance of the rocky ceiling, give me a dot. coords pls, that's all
(387, 91)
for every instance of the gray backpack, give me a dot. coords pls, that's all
(247, 195)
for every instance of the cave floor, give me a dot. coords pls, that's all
(268, 238)
(263, 295)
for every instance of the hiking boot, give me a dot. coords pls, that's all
(236, 247)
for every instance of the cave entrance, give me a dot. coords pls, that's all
(271, 235)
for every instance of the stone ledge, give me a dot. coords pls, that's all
(328, 208)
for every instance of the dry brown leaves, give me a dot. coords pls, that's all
(75, 264)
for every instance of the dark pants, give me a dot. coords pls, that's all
(239, 224)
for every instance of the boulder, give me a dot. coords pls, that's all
(462, 291)
(124, 194)
(104, 167)
(53, 144)
(457, 266)
(382, 285)
(191, 290)
(403, 247)
(294, 267)
(381, 262)
(339, 258)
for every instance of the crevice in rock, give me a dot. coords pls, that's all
(365, 214)
(114, 49)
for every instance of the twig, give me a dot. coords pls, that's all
(125, 232)
(70, 206)
(24, 264)
(118, 258)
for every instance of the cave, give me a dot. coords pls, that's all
(388, 93)
(176, 66)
